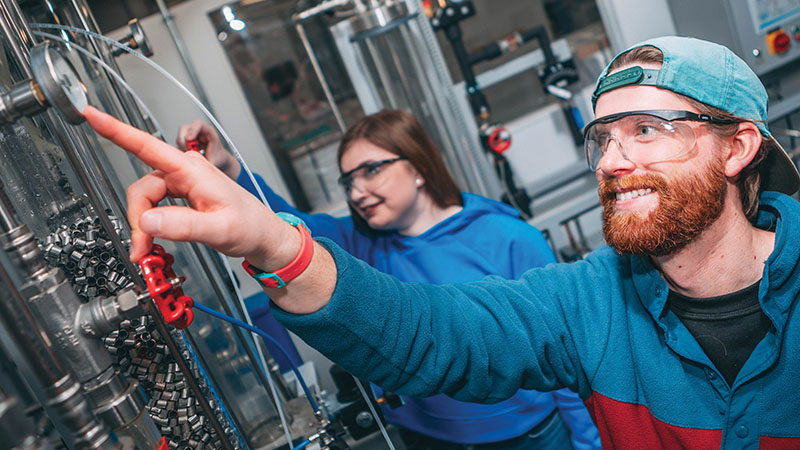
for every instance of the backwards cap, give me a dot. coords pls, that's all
(712, 74)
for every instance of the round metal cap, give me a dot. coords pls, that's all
(138, 36)
(59, 81)
(378, 20)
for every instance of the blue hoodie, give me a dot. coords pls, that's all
(485, 237)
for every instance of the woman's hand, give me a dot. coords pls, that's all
(215, 153)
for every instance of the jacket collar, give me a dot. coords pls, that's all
(780, 283)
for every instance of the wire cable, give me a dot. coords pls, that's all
(374, 413)
(302, 445)
(262, 359)
(69, 44)
(177, 83)
(241, 161)
(261, 333)
(72, 45)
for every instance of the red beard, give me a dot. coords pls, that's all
(687, 205)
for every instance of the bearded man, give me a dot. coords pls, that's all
(680, 334)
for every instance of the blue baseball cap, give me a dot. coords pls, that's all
(712, 74)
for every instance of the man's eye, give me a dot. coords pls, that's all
(648, 130)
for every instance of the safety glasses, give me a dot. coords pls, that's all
(366, 175)
(643, 137)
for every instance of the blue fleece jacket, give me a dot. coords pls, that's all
(485, 237)
(599, 326)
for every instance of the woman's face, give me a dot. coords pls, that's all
(382, 189)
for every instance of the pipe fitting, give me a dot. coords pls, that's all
(120, 404)
(56, 306)
(103, 315)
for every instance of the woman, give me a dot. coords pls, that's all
(409, 219)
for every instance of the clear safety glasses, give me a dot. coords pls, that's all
(643, 137)
(367, 175)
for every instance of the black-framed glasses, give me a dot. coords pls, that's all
(646, 136)
(367, 174)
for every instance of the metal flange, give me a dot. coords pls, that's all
(59, 82)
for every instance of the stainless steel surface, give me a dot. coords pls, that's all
(137, 39)
(86, 297)
(62, 394)
(121, 404)
(393, 58)
(325, 6)
(8, 217)
(17, 35)
(60, 83)
(55, 306)
(111, 97)
(17, 428)
(20, 100)
(378, 19)
(101, 316)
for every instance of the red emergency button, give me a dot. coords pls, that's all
(778, 41)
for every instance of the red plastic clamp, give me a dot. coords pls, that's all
(193, 145)
(157, 272)
(162, 444)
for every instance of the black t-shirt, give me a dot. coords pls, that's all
(727, 327)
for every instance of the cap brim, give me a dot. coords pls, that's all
(778, 171)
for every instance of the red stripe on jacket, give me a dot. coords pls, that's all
(776, 443)
(630, 426)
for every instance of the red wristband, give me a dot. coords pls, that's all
(298, 265)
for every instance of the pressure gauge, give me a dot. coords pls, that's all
(135, 40)
(59, 82)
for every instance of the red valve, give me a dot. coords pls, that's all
(499, 140)
(162, 444)
(157, 272)
(193, 145)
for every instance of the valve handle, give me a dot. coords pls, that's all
(193, 145)
(499, 140)
(173, 304)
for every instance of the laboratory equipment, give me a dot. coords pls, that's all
(103, 363)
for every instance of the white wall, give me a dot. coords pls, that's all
(172, 107)
(628, 22)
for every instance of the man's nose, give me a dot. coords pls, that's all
(614, 161)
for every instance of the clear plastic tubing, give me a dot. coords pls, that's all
(177, 83)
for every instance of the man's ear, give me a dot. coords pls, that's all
(744, 147)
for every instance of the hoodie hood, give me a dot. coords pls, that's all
(475, 207)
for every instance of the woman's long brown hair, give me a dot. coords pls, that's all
(401, 133)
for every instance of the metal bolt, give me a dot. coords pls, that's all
(364, 419)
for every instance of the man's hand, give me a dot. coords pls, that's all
(215, 152)
(221, 215)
